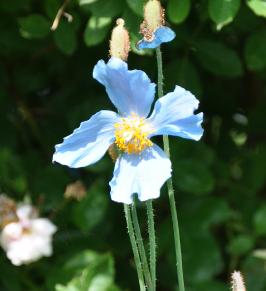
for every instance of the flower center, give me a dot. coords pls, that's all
(131, 135)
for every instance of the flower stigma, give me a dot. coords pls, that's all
(131, 135)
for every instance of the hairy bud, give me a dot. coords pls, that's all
(237, 282)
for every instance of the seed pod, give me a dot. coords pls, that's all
(153, 14)
(119, 43)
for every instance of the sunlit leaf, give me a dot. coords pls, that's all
(34, 26)
(255, 50)
(96, 30)
(178, 10)
(136, 6)
(258, 7)
(223, 12)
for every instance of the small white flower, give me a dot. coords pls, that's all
(28, 239)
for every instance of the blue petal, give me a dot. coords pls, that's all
(161, 35)
(88, 143)
(130, 91)
(173, 114)
(143, 174)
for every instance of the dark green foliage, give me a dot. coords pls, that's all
(47, 89)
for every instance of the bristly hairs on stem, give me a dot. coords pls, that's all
(152, 242)
(134, 247)
(178, 251)
(238, 283)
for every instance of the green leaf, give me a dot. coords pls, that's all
(255, 50)
(260, 221)
(260, 254)
(136, 6)
(184, 73)
(258, 7)
(34, 26)
(96, 30)
(218, 58)
(86, 2)
(12, 172)
(91, 209)
(254, 270)
(51, 7)
(90, 272)
(65, 38)
(210, 285)
(201, 262)
(193, 177)
(223, 12)
(103, 8)
(241, 245)
(178, 10)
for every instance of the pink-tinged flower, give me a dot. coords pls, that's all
(28, 239)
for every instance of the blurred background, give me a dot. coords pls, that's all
(47, 89)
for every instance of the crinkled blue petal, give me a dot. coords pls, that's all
(143, 174)
(161, 35)
(130, 91)
(173, 114)
(88, 143)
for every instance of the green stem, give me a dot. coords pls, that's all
(134, 247)
(141, 248)
(152, 242)
(178, 251)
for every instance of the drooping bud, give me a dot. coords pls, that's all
(238, 282)
(153, 19)
(120, 44)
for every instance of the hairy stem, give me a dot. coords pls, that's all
(179, 265)
(152, 242)
(141, 247)
(134, 247)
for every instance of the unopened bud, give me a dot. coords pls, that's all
(238, 282)
(75, 191)
(119, 44)
(153, 19)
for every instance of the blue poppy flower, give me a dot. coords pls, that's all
(159, 36)
(142, 166)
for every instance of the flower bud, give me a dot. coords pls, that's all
(119, 44)
(75, 191)
(153, 19)
(238, 282)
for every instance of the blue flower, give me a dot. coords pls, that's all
(156, 38)
(142, 166)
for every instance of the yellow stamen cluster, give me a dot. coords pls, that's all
(131, 135)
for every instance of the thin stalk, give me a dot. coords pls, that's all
(141, 248)
(152, 242)
(178, 251)
(134, 247)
